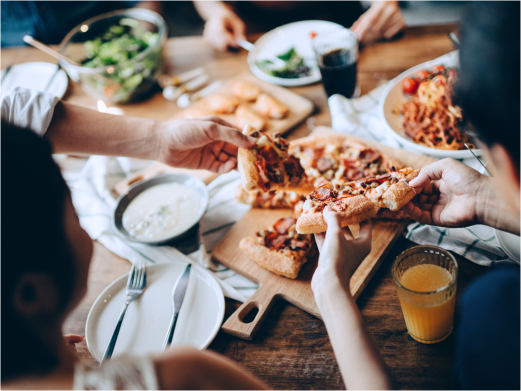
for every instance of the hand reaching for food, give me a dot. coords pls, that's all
(453, 195)
(208, 143)
(340, 253)
(72, 339)
(383, 19)
(223, 27)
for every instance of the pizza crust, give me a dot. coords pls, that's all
(246, 164)
(279, 262)
(399, 194)
(357, 209)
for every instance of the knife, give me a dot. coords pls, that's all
(178, 295)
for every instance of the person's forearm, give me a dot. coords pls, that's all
(493, 211)
(75, 129)
(207, 9)
(359, 361)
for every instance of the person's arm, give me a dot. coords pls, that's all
(190, 369)
(223, 27)
(340, 255)
(455, 195)
(206, 143)
(383, 19)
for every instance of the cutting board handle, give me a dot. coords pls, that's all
(262, 300)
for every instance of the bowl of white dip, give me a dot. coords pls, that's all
(161, 209)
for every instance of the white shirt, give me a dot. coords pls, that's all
(29, 109)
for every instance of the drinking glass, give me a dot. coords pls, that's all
(337, 55)
(429, 315)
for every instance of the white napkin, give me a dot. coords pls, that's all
(360, 117)
(90, 187)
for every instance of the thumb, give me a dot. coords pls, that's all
(333, 220)
(233, 136)
(429, 173)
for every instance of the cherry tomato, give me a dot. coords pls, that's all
(410, 86)
(452, 72)
(312, 34)
(438, 68)
(423, 74)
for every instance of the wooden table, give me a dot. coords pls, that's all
(292, 350)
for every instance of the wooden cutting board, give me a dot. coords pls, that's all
(299, 109)
(298, 292)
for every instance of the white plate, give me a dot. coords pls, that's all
(147, 319)
(280, 40)
(393, 96)
(510, 244)
(36, 76)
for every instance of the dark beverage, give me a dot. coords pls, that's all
(338, 70)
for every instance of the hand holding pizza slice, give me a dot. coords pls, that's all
(357, 201)
(267, 165)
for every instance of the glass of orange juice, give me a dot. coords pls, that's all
(426, 279)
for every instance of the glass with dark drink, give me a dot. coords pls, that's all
(337, 56)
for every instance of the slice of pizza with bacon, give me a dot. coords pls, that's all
(267, 165)
(357, 201)
(279, 249)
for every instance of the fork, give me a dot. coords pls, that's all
(136, 282)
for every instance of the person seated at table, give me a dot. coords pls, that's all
(454, 195)
(50, 21)
(227, 22)
(45, 263)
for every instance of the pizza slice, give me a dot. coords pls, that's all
(270, 107)
(244, 90)
(340, 159)
(221, 104)
(357, 201)
(279, 199)
(246, 116)
(280, 249)
(267, 165)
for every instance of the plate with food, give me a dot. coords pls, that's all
(417, 109)
(292, 44)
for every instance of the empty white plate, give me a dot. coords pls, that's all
(36, 76)
(146, 323)
(283, 38)
(510, 244)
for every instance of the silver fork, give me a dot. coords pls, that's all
(136, 282)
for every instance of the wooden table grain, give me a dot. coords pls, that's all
(292, 350)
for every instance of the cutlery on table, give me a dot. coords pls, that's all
(172, 93)
(478, 159)
(49, 83)
(187, 99)
(137, 279)
(178, 295)
(177, 80)
(5, 73)
(270, 57)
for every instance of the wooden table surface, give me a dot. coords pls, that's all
(292, 350)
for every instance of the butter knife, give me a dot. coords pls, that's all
(178, 295)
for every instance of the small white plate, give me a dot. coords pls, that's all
(36, 76)
(510, 244)
(280, 40)
(393, 96)
(147, 319)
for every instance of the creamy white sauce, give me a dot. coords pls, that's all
(161, 212)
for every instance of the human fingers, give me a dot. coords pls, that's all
(238, 27)
(217, 34)
(217, 132)
(426, 199)
(395, 28)
(433, 188)
(218, 120)
(222, 167)
(333, 221)
(384, 19)
(429, 173)
(73, 338)
(319, 239)
(415, 213)
(366, 232)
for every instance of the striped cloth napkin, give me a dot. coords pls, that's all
(360, 117)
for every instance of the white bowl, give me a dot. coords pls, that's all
(393, 96)
(280, 40)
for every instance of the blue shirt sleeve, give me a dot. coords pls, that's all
(488, 346)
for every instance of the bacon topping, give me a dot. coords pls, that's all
(296, 244)
(260, 163)
(323, 164)
(379, 179)
(314, 153)
(273, 240)
(369, 155)
(269, 153)
(293, 167)
(283, 225)
(321, 194)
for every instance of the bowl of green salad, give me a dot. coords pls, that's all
(119, 54)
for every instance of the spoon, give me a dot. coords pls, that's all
(51, 52)
(249, 47)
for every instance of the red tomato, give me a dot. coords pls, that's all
(312, 34)
(438, 68)
(410, 86)
(423, 74)
(452, 72)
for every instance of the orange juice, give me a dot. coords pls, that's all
(428, 309)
